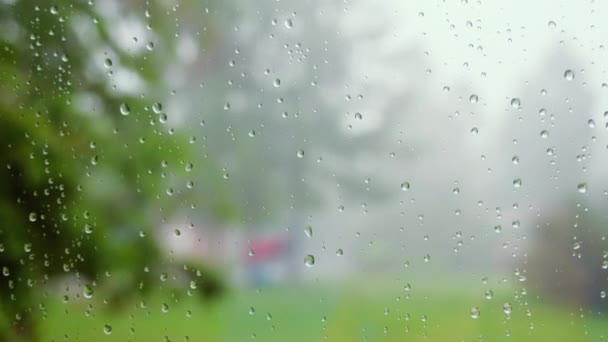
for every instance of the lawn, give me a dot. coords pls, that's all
(337, 313)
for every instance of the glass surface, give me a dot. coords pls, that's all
(288, 170)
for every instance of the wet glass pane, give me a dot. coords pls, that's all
(226, 170)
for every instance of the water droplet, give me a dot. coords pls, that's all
(88, 229)
(544, 134)
(107, 63)
(475, 312)
(33, 217)
(473, 98)
(164, 308)
(107, 329)
(515, 102)
(251, 133)
(552, 24)
(308, 231)
(251, 310)
(405, 186)
(489, 294)
(300, 153)
(288, 23)
(124, 109)
(517, 182)
(339, 252)
(54, 10)
(87, 291)
(569, 75)
(157, 107)
(164, 276)
(358, 116)
(427, 258)
(150, 46)
(506, 308)
(309, 260)
(582, 187)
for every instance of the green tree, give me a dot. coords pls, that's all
(88, 168)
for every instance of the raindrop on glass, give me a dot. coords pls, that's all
(309, 260)
(124, 109)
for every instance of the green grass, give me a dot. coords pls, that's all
(332, 314)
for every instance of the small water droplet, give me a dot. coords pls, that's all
(475, 312)
(506, 308)
(569, 75)
(124, 109)
(107, 63)
(405, 186)
(358, 116)
(308, 231)
(515, 102)
(300, 153)
(473, 98)
(288, 23)
(157, 107)
(517, 182)
(339, 252)
(544, 134)
(107, 329)
(33, 217)
(88, 291)
(309, 260)
(582, 187)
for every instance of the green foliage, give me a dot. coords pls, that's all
(84, 186)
